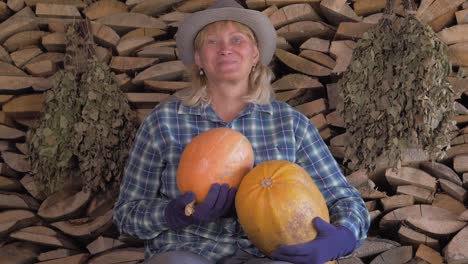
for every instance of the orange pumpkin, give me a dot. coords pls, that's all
(219, 155)
(276, 203)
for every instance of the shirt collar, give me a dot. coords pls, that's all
(209, 112)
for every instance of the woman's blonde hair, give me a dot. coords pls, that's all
(260, 90)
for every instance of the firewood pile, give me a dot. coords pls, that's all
(419, 211)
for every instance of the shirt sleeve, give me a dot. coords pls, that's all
(139, 210)
(345, 204)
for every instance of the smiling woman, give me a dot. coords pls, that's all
(226, 50)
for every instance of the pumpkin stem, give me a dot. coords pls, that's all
(266, 183)
(190, 208)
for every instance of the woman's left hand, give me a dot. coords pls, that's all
(331, 243)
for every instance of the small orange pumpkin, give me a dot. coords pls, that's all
(276, 203)
(219, 155)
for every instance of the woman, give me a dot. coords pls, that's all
(227, 48)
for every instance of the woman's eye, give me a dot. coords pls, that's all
(237, 40)
(211, 41)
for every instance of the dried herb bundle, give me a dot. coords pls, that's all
(86, 128)
(395, 94)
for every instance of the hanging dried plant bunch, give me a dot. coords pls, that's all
(86, 127)
(395, 93)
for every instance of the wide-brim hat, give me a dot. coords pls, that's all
(258, 22)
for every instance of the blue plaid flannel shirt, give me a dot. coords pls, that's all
(276, 131)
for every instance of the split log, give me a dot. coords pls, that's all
(12, 220)
(342, 52)
(144, 32)
(317, 44)
(434, 227)
(17, 162)
(437, 9)
(349, 260)
(14, 85)
(7, 132)
(458, 54)
(9, 184)
(19, 253)
(460, 163)
(130, 64)
(7, 171)
(57, 11)
(394, 255)
(296, 81)
(23, 39)
(63, 204)
(396, 201)
(462, 16)
(352, 30)
(77, 3)
(456, 252)
(125, 22)
(411, 237)
(153, 7)
(463, 216)
(318, 121)
(262, 4)
(165, 71)
(7, 69)
(11, 200)
(21, 57)
(318, 57)
(289, 95)
(454, 190)
(23, 20)
(125, 82)
(104, 35)
(440, 171)
(368, 7)
(428, 254)
(102, 202)
(300, 64)
(298, 32)
(312, 108)
(293, 13)
(162, 53)
(102, 244)
(28, 183)
(54, 42)
(44, 236)
(414, 212)
(41, 69)
(85, 227)
(454, 34)
(165, 86)
(118, 256)
(411, 176)
(75, 259)
(421, 195)
(373, 246)
(145, 100)
(337, 11)
(334, 119)
(448, 202)
(56, 254)
(193, 6)
(104, 8)
(127, 46)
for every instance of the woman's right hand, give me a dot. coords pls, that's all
(218, 202)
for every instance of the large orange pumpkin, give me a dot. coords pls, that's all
(219, 155)
(276, 203)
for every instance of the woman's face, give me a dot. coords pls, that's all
(226, 53)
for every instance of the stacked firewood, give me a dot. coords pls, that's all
(419, 211)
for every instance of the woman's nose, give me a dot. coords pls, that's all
(225, 48)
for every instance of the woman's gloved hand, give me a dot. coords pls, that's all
(217, 203)
(331, 243)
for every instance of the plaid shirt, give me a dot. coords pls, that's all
(276, 131)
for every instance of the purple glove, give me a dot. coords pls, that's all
(331, 243)
(217, 203)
